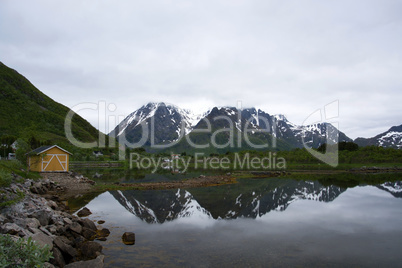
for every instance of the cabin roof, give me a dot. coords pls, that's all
(45, 148)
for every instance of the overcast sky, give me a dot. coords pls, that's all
(284, 57)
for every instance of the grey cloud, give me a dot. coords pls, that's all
(289, 57)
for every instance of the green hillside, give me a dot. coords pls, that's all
(25, 112)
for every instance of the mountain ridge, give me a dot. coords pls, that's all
(390, 138)
(170, 124)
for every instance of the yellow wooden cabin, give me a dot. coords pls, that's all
(49, 159)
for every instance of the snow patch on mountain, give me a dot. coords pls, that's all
(138, 116)
(191, 208)
(392, 137)
(139, 209)
(393, 187)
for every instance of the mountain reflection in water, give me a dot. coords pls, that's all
(255, 223)
(223, 202)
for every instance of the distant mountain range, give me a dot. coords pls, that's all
(171, 124)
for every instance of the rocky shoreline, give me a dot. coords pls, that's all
(48, 222)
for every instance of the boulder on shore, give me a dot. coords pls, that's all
(84, 212)
(128, 238)
(90, 250)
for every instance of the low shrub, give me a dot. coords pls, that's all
(5, 178)
(22, 252)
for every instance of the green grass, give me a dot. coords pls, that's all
(5, 178)
(13, 166)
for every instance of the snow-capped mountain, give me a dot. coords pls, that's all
(169, 205)
(391, 138)
(165, 124)
(265, 126)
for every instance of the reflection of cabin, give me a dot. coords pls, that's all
(175, 156)
(50, 158)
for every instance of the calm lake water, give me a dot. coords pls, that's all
(254, 223)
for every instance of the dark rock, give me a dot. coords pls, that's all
(52, 204)
(42, 216)
(40, 188)
(66, 240)
(43, 239)
(46, 231)
(67, 221)
(58, 259)
(88, 233)
(103, 232)
(24, 233)
(55, 198)
(78, 241)
(61, 229)
(96, 263)
(2, 219)
(128, 238)
(28, 183)
(67, 250)
(10, 228)
(76, 227)
(34, 230)
(84, 212)
(90, 250)
(87, 223)
(73, 235)
(101, 238)
(32, 222)
(101, 222)
(48, 265)
(34, 190)
(52, 229)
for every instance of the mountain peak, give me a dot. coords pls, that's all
(280, 117)
(391, 138)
